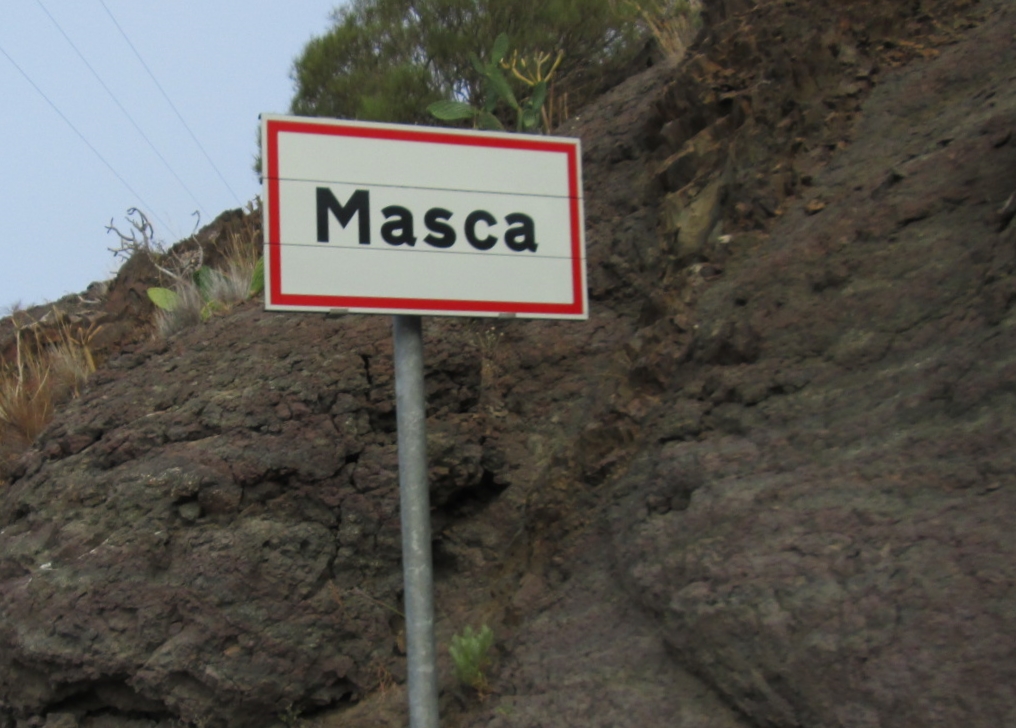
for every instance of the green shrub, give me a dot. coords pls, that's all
(387, 60)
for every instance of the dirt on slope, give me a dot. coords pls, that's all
(765, 485)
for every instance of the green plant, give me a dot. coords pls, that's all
(530, 71)
(179, 307)
(164, 298)
(257, 278)
(195, 297)
(290, 716)
(470, 652)
(194, 300)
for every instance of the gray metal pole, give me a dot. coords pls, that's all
(417, 562)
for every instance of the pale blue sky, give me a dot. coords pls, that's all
(220, 62)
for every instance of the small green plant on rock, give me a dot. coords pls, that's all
(290, 717)
(470, 652)
(191, 301)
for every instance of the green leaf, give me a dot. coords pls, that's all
(500, 85)
(539, 95)
(477, 64)
(163, 298)
(210, 308)
(451, 110)
(500, 48)
(529, 119)
(204, 277)
(490, 102)
(487, 121)
(257, 279)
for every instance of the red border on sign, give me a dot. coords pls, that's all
(278, 297)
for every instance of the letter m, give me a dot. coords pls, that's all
(359, 202)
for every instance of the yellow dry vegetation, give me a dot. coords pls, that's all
(673, 23)
(52, 359)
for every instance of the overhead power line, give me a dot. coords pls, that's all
(170, 102)
(116, 101)
(84, 139)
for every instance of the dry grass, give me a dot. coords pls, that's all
(26, 402)
(673, 23)
(12, 309)
(233, 283)
(50, 365)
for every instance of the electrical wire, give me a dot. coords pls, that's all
(170, 102)
(116, 101)
(84, 139)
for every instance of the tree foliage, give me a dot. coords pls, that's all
(387, 60)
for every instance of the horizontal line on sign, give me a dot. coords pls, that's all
(433, 304)
(416, 187)
(428, 249)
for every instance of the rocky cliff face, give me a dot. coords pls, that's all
(766, 484)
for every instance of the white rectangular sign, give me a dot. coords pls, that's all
(385, 218)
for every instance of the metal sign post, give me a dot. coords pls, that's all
(417, 566)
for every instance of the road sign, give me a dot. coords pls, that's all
(384, 218)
